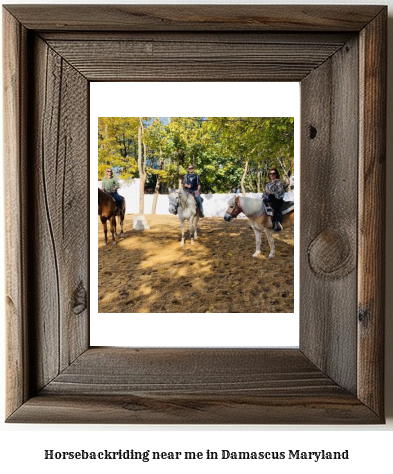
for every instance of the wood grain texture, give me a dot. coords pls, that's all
(329, 187)
(53, 375)
(201, 37)
(193, 386)
(207, 371)
(372, 175)
(193, 409)
(59, 189)
(186, 59)
(14, 149)
(195, 17)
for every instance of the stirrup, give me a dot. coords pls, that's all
(278, 227)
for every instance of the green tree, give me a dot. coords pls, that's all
(117, 145)
(256, 143)
(228, 152)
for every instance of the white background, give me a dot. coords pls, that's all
(183, 99)
(22, 446)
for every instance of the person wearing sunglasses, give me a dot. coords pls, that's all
(110, 185)
(192, 183)
(273, 196)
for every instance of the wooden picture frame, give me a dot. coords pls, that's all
(338, 54)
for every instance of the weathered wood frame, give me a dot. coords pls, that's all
(338, 54)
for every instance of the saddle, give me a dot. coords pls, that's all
(286, 208)
(118, 208)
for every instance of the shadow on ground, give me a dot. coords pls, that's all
(149, 272)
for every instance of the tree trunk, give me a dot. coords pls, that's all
(286, 171)
(180, 161)
(243, 178)
(259, 179)
(142, 176)
(155, 197)
(157, 188)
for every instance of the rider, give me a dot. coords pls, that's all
(110, 185)
(192, 182)
(274, 195)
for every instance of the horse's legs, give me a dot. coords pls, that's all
(121, 218)
(106, 232)
(114, 227)
(257, 242)
(104, 225)
(182, 232)
(270, 239)
(112, 222)
(192, 230)
(196, 227)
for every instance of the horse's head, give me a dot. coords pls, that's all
(234, 209)
(174, 201)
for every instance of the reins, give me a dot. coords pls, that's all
(237, 209)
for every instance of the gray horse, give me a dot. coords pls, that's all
(183, 204)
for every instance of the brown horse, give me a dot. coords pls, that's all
(255, 210)
(108, 210)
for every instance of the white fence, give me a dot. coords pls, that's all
(214, 205)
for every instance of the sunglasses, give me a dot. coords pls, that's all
(190, 169)
(272, 174)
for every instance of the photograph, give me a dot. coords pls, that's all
(196, 214)
(197, 82)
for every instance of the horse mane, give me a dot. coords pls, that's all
(184, 197)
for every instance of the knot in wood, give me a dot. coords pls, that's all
(330, 255)
(313, 132)
(80, 299)
(363, 316)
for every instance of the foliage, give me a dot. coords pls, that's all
(219, 147)
(118, 145)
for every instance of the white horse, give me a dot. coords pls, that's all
(255, 210)
(183, 204)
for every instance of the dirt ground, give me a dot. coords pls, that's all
(149, 272)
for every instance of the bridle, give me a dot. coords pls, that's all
(236, 209)
(176, 203)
